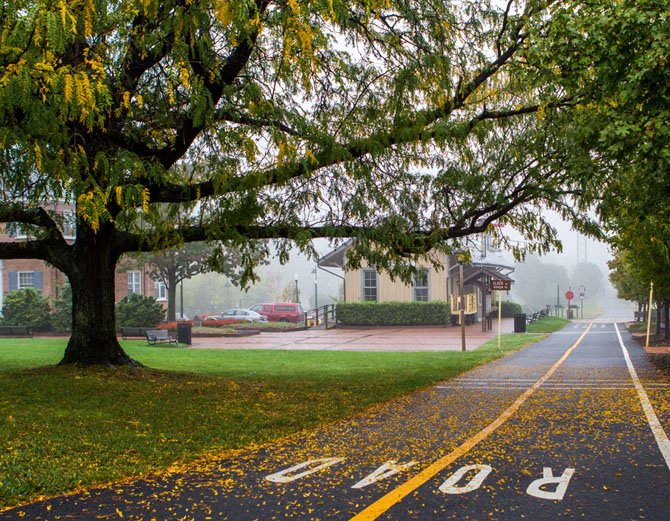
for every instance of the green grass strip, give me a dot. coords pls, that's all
(64, 428)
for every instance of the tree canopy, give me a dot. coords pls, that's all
(405, 125)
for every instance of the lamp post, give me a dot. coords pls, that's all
(297, 294)
(227, 286)
(316, 287)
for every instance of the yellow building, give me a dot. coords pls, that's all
(430, 284)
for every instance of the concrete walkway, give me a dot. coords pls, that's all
(434, 338)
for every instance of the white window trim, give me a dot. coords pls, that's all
(18, 279)
(137, 282)
(426, 287)
(364, 287)
(160, 290)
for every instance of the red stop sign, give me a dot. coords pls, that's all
(569, 295)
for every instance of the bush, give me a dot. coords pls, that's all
(26, 307)
(61, 317)
(140, 311)
(392, 313)
(509, 309)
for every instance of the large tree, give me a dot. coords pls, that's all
(614, 55)
(406, 125)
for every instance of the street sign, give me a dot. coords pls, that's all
(569, 295)
(501, 285)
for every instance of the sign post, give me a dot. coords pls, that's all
(569, 295)
(582, 294)
(651, 299)
(500, 286)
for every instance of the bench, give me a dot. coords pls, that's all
(16, 331)
(161, 336)
(133, 331)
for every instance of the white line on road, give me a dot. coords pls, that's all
(656, 428)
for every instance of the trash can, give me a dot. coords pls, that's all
(184, 333)
(520, 323)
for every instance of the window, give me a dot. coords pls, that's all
(161, 290)
(69, 224)
(421, 285)
(134, 282)
(26, 279)
(369, 285)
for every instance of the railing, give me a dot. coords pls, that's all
(325, 316)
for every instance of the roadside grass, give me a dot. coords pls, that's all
(67, 428)
(547, 325)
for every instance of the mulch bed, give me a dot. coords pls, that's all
(658, 351)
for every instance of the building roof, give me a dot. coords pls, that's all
(336, 258)
(472, 274)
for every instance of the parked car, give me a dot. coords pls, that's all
(280, 311)
(212, 317)
(243, 314)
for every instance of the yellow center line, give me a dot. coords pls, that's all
(396, 495)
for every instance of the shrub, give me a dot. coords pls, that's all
(138, 310)
(509, 309)
(26, 307)
(61, 316)
(392, 313)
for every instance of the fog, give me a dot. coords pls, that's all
(214, 293)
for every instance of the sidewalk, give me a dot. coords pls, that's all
(398, 339)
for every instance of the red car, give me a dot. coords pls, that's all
(280, 311)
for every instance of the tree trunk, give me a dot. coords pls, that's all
(93, 340)
(666, 318)
(659, 305)
(171, 287)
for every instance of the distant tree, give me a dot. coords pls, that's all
(26, 307)
(174, 265)
(588, 275)
(536, 282)
(627, 280)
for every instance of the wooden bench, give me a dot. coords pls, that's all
(161, 336)
(16, 331)
(133, 332)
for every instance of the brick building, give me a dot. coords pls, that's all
(47, 280)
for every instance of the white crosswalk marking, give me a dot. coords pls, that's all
(603, 384)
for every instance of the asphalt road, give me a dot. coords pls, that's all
(573, 427)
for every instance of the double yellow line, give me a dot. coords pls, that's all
(383, 504)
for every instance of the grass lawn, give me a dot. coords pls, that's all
(64, 428)
(547, 325)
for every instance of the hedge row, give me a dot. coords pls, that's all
(392, 313)
(509, 309)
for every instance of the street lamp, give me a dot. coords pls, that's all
(461, 299)
(297, 293)
(316, 287)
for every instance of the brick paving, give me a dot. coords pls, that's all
(435, 338)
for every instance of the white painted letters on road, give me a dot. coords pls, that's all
(561, 482)
(386, 470)
(314, 465)
(450, 487)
